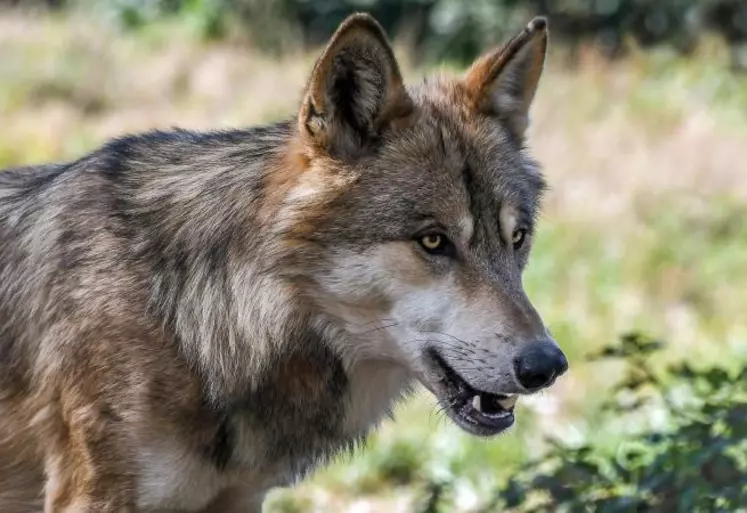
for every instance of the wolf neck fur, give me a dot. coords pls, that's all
(245, 323)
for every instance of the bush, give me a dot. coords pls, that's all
(697, 462)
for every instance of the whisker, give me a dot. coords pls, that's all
(450, 336)
(451, 349)
(383, 319)
(380, 328)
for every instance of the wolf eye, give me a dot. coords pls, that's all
(435, 243)
(518, 237)
(432, 241)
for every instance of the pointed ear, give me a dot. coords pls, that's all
(355, 91)
(502, 83)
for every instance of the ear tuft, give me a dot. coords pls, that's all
(539, 23)
(362, 20)
(355, 90)
(502, 83)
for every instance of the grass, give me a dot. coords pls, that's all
(643, 228)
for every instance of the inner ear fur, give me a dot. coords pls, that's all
(355, 91)
(503, 82)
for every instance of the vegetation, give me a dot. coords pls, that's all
(642, 230)
(692, 459)
(452, 29)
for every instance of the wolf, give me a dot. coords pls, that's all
(188, 320)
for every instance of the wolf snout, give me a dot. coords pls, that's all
(539, 364)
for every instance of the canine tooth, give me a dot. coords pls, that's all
(508, 402)
(477, 403)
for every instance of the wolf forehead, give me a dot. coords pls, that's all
(449, 161)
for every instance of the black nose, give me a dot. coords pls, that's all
(539, 364)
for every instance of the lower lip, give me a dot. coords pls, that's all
(486, 424)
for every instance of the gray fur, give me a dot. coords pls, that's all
(184, 295)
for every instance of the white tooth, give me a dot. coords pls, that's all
(509, 402)
(476, 403)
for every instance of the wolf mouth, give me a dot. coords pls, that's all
(477, 412)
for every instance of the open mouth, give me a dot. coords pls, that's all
(477, 412)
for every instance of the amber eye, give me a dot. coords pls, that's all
(518, 237)
(432, 241)
(436, 244)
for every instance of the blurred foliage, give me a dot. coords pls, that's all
(449, 29)
(694, 461)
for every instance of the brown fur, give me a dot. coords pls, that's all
(187, 320)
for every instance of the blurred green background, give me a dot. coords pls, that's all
(639, 269)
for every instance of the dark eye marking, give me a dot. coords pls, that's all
(518, 237)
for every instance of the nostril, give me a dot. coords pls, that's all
(532, 378)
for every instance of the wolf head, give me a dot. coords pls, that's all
(417, 210)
